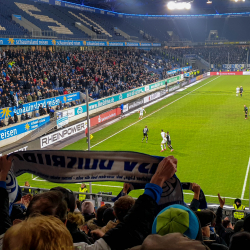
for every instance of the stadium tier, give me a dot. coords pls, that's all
(50, 20)
(124, 131)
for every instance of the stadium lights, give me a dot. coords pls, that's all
(209, 2)
(173, 5)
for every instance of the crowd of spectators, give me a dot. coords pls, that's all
(218, 55)
(27, 76)
(55, 220)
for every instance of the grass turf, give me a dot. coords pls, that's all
(208, 132)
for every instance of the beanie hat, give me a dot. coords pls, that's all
(88, 207)
(174, 219)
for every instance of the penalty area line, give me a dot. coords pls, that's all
(152, 113)
(245, 181)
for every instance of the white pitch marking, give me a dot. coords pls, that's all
(245, 182)
(207, 195)
(152, 113)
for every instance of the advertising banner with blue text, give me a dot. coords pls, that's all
(12, 131)
(78, 43)
(34, 106)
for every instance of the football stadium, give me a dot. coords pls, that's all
(124, 124)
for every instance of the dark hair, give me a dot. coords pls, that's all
(122, 206)
(108, 215)
(78, 204)
(68, 196)
(99, 215)
(226, 223)
(48, 203)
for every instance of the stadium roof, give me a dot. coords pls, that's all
(158, 7)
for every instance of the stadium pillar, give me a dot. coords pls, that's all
(247, 57)
(88, 127)
(228, 58)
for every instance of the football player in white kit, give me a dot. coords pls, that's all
(141, 110)
(164, 141)
(237, 91)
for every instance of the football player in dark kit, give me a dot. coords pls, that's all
(145, 134)
(169, 142)
(241, 91)
(246, 111)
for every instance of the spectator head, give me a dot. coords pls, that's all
(88, 207)
(99, 215)
(206, 218)
(83, 185)
(76, 218)
(68, 197)
(122, 206)
(238, 201)
(227, 224)
(108, 215)
(48, 203)
(240, 241)
(40, 232)
(78, 205)
(177, 219)
(238, 227)
(173, 241)
(27, 184)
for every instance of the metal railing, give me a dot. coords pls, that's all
(228, 211)
(97, 198)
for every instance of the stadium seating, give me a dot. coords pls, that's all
(62, 21)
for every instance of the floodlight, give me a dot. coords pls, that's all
(188, 6)
(171, 5)
(179, 6)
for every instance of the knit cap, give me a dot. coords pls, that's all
(176, 218)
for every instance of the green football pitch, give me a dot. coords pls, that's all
(209, 135)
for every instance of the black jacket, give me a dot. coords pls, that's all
(136, 227)
(224, 233)
(5, 222)
(77, 235)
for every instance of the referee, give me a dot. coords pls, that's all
(145, 134)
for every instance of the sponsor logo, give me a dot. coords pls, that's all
(79, 110)
(62, 134)
(135, 104)
(173, 88)
(27, 126)
(7, 134)
(99, 119)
